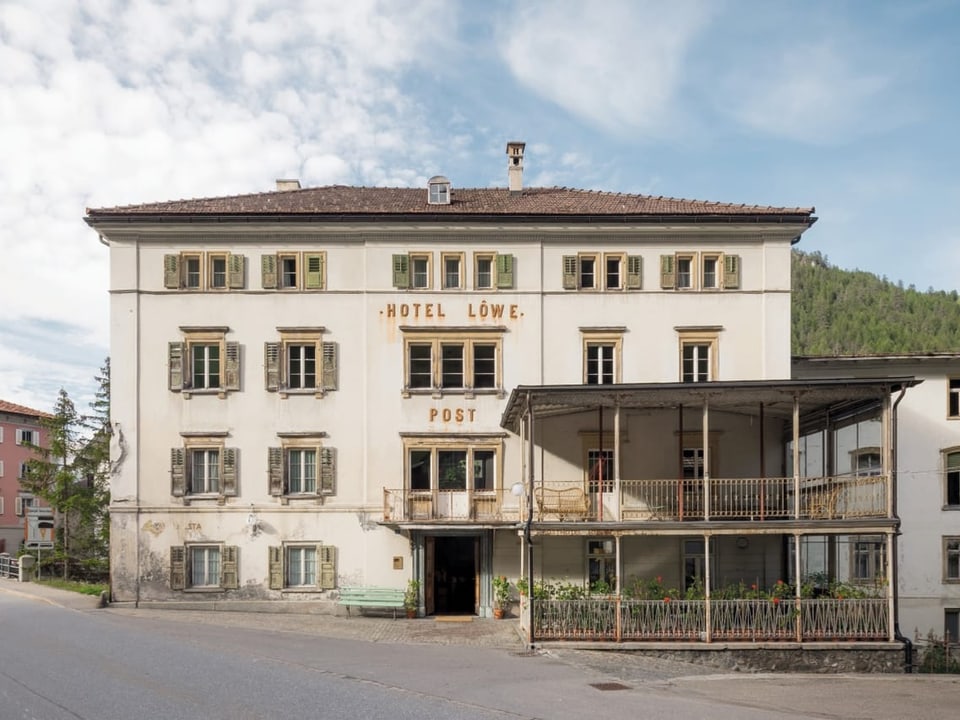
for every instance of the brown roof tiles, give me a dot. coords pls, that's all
(342, 200)
(14, 409)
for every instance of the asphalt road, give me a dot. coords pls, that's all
(65, 662)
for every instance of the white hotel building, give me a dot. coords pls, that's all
(347, 386)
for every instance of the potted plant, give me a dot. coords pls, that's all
(501, 595)
(411, 598)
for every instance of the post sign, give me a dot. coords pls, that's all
(39, 528)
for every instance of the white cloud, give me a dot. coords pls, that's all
(617, 65)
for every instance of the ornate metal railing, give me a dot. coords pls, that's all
(623, 619)
(819, 498)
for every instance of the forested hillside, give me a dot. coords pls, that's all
(844, 312)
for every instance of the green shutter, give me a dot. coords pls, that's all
(175, 352)
(178, 475)
(231, 368)
(268, 271)
(275, 470)
(171, 272)
(504, 271)
(634, 272)
(731, 272)
(229, 486)
(236, 265)
(314, 271)
(229, 577)
(401, 271)
(329, 354)
(178, 567)
(327, 559)
(328, 470)
(668, 276)
(569, 272)
(271, 365)
(276, 567)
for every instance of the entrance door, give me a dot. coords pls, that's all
(454, 574)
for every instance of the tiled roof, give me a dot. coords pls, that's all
(13, 408)
(342, 200)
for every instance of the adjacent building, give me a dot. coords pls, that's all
(21, 434)
(342, 386)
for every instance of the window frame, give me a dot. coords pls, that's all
(699, 338)
(479, 257)
(601, 561)
(277, 359)
(186, 259)
(460, 259)
(180, 357)
(470, 446)
(325, 567)
(621, 260)
(469, 340)
(182, 571)
(691, 274)
(717, 260)
(951, 478)
(872, 551)
(33, 432)
(177, 273)
(427, 259)
(596, 338)
(953, 398)
(325, 467)
(951, 559)
(182, 468)
(212, 258)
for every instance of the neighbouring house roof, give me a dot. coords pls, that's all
(932, 356)
(739, 396)
(341, 202)
(14, 409)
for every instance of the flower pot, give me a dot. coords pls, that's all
(498, 613)
(411, 613)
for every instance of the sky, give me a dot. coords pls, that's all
(852, 107)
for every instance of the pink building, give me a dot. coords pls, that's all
(20, 434)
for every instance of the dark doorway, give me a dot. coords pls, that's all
(455, 575)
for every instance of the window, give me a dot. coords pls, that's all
(204, 567)
(412, 271)
(452, 271)
(438, 190)
(463, 363)
(302, 467)
(483, 272)
(601, 564)
(600, 470)
(953, 398)
(303, 566)
(951, 559)
(866, 462)
(952, 478)
(24, 469)
(695, 564)
(867, 559)
(492, 271)
(293, 271)
(698, 355)
(451, 466)
(600, 367)
(203, 466)
(205, 362)
(200, 271)
(710, 280)
(951, 624)
(23, 503)
(692, 463)
(301, 362)
(684, 272)
(613, 272)
(28, 437)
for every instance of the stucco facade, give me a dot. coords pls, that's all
(21, 434)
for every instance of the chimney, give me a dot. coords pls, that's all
(515, 166)
(288, 184)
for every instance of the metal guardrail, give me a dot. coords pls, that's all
(9, 566)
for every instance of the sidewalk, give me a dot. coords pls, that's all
(472, 631)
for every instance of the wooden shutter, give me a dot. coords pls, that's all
(231, 367)
(634, 272)
(178, 567)
(504, 271)
(276, 567)
(18, 506)
(229, 485)
(275, 470)
(401, 271)
(268, 271)
(327, 560)
(175, 354)
(668, 275)
(569, 272)
(313, 279)
(229, 577)
(178, 474)
(329, 367)
(271, 365)
(328, 470)
(171, 272)
(731, 271)
(236, 265)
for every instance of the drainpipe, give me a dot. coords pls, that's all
(894, 579)
(527, 534)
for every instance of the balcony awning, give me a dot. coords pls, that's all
(744, 396)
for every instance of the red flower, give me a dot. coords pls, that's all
(659, 579)
(779, 582)
(666, 599)
(776, 601)
(753, 587)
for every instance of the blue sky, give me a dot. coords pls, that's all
(851, 107)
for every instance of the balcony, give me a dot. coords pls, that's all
(717, 499)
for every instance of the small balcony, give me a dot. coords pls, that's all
(716, 499)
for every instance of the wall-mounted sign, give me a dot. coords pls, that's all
(38, 530)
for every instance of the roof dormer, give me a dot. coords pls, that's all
(438, 190)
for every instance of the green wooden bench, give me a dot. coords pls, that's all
(379, 598)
